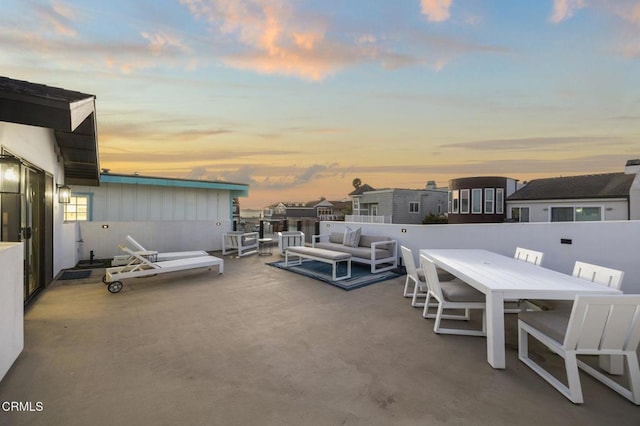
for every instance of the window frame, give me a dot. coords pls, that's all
(489, 199)
(464, 199)
(520, 208)
(499, 201)
(75, 195)
(415, 204)
(573, 211)
(455, 200)
(476, 194)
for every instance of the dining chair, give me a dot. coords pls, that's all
(529, 256)
(597, 325)
(415, 277)
(587, 271)
(454, 294)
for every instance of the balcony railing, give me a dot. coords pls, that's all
(367, 219)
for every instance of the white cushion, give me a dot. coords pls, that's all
(351, 237)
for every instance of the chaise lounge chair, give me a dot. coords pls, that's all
(124, 259)
(141, 266)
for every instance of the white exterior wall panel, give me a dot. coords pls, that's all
(142, 202)
(135, 203)
(540, 211)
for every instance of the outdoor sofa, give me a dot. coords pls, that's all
(378, 251)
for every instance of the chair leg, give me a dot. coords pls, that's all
(573, 378)
(634, 377)
(406, 287)
(463, 332)
(425, 311)
(416, 294)
(633, 393)
(574, 391)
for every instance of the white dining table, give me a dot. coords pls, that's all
(503, 278)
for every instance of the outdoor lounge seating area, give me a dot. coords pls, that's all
(315, 355)
(380, 252)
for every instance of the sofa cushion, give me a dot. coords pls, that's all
(336, 237)
(351, 237)
(366, 240)
(360, 252)
(552, 323)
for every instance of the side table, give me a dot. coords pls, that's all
(265, 246)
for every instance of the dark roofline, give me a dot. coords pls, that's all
(70, 114)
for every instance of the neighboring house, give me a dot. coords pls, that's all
(47, 141)
(51, 133)
(319, 209)
(356, 195)
(479, 199)
(396, 205)
(164, 214)
(609, 196)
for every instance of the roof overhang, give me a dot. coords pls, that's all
(70, 114)
(236, 189)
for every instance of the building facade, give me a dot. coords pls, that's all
(608, 196)
(479, 199)
(410, 206)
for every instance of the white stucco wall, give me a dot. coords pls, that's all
(37, 146)
(614, 244)
(11, 305)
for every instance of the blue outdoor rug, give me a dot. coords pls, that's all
(360, 273)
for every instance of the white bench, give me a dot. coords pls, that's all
(321, 255)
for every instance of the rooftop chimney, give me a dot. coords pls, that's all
(632, 167)
(431, 184)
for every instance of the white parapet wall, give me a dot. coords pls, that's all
(11, 305)
(614, 244)
(102, 237)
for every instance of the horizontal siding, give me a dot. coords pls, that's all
(135, 203)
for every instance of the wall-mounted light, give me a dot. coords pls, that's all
(9, 174)
(64, 194)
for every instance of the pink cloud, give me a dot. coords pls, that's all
(275, 40)
(564, 9)
(436, 10)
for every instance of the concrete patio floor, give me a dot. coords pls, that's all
(259, 345)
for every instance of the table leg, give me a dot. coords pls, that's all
(495, 330)
(612, 364)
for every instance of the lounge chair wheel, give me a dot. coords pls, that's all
(104, 279)
(115, 287)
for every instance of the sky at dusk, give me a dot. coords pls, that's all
(297, 97)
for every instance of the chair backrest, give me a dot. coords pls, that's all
(431, 277)
(409, 262)
(599, 274)
(136, 245)
(529, 256)
(604, 324)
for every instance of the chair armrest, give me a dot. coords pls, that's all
(381, 244)
(318, 238)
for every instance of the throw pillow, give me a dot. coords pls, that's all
(351, 237)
